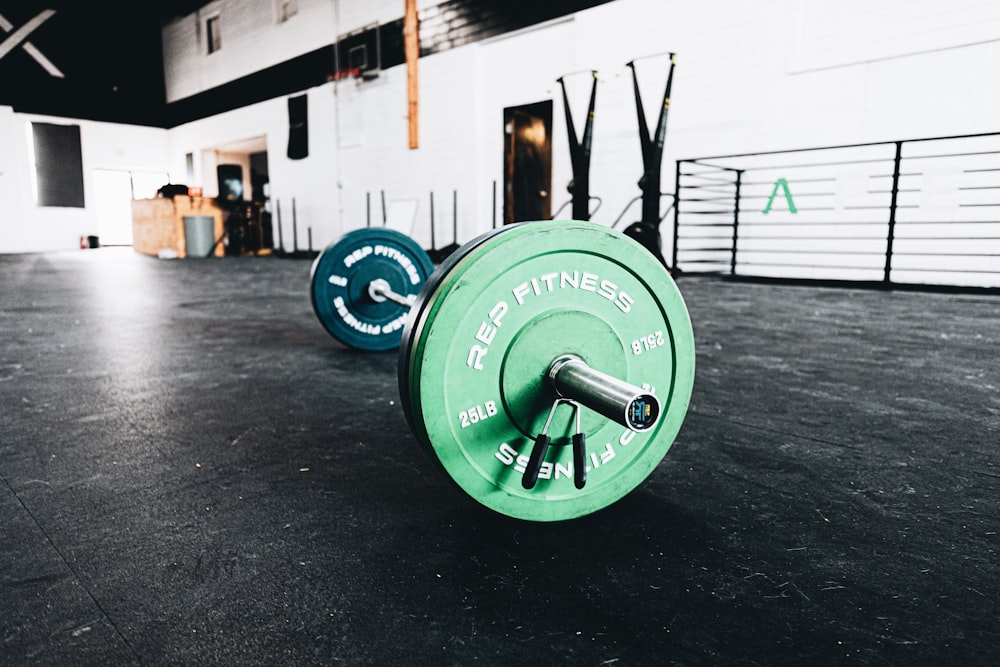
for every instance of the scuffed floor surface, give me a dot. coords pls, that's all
(192, 472)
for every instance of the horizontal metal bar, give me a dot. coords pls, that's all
(937, 155)
(724, 263)
(946, 238)
(798, 195)
(705, 177)
(905, 253)
(870, 144)
(712, 177)
(688, 199)
(706, 164)
(707, 225)
(658, 54)
(810, 165)
(946, 222)
(897, 269)
(802, 251)
(731, 193)
(744, 237)
(712, 183)
(728, 189)
(592, 72)
(803, 223)
(793, 181)
(839, 267)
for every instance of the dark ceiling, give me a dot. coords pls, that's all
(103, 60)
(90, 60)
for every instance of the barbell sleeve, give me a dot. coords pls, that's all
(624, 403)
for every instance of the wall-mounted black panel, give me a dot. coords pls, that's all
(58, 164)
(298, 127)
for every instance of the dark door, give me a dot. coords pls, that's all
(259, 180)
(528, 162)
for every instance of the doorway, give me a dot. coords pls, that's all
(241, 173)
(114, 191)
(528, 162)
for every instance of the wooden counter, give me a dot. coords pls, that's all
(158, 224)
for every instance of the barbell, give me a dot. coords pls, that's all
(544, 367)
(362, 286)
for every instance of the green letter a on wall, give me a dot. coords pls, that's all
(783, 184)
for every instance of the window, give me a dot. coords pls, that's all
(286, 9)
(214, 34)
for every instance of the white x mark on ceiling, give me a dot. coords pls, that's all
(20, 36)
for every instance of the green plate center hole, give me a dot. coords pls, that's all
(528, 397)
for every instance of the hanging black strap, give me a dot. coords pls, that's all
(652, 149)
(579, 153)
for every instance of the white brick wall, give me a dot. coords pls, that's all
(252, 39)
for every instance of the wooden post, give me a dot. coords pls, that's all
(411, 40)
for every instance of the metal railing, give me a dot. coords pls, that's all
(913, 212)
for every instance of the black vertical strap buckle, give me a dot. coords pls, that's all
(579, 454)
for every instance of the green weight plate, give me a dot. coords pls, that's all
(341, 274)
(489, 325)
(418, 315)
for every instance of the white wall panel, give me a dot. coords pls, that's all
(13, 187)
(835, 33)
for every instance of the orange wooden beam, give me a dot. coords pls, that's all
(411, 42)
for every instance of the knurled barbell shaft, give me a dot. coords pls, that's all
(619, 401)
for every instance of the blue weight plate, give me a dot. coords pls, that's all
(339, 281)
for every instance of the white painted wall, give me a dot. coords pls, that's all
(25, 227)
(767, 75)
(13, 187)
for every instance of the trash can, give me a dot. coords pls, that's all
(199, 232)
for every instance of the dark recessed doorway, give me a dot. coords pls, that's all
(528, 162)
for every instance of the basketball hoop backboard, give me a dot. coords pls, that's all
(359, 51)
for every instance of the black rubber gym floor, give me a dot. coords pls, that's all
(192, 472)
